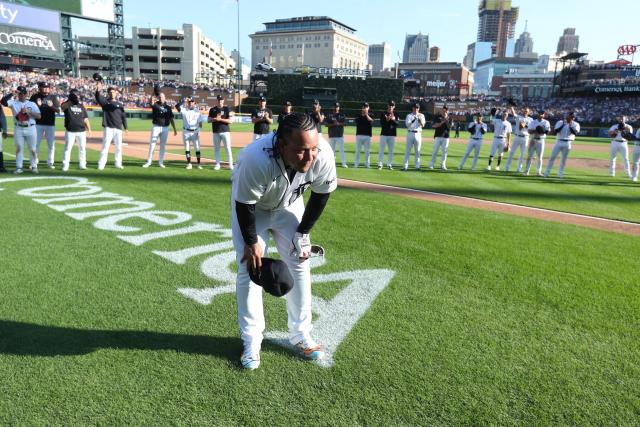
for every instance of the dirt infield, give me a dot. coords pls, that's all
(138, 148)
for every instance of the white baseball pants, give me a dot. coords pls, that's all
(519, 142)
(386, 142)
(414, 141)
(497, 146)
(363, 141)
(636, 161)
(340, 142)
(535, 148)
(439, 143)
(474, 144)
(111, 135)
(282, 224)
(22, 135)
(223, 137)
(191, 137)
(70, 139)
(560, 147)
(49, 132)
(158, 133)
(623, 149)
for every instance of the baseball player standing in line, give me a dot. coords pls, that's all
(335, 122)
(161, 118)
(477, 129)
(442, 127)
(286, 110)
(220, 117)
(25, 114)
(636, 157)
(620, 132)
(77, 126)
(414, 121)
(521, 139)
(3, 135)
(261, 118)
(566, 131)
(539, 128)
(501, 138)
(316, 115)
(267, 186)
(46, 125)
(388, 132)
(191, 124)
(363, 135)
(114, 119)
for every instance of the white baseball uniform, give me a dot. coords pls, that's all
(636, 157)
(475, 143)
(564, 139)
(536, 144)
(414, 123)
(191, 119)
(619, 145)
(502, 128)
(24, 132)
(260, 178)
(520, 141)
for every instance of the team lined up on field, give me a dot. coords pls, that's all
(34, 120)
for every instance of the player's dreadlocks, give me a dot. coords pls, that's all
(294, 122)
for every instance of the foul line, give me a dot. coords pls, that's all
(520, 210)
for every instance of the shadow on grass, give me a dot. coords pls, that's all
(28, 339)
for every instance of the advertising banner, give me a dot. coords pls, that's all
(100, 10)
(30, 42)
(29, 17)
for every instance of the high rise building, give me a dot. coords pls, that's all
(497, 22)
(434, 54)
(524, 45)
(416, 48)
(568, 42)
(380, 56)
(316, 41)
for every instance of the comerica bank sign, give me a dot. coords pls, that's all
(30, 42)
(29, 39)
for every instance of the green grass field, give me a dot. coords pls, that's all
(489, 318)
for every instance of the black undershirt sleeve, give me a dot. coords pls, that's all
(312, 211)
(247, 221)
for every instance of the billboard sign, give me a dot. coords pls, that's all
(98, 10)
(30, 42)
(29, 17)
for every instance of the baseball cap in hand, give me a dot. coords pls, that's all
(21, 89)
(274, 277)
(97, 77)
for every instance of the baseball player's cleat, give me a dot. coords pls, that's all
(17, 171)
(189, 166)
(161, 165)
(497, 168)
(65, 168)
(345, 166)
(309, 350)
(217, 167)
(119, 167)
(146, 165)
(634, 179)
(82, 168)
(199, 166)
(379, 167)
(390, 167)
(34, 170)
(125, 144)
(431, 167)
(52, 166)
(539, 174)
(444, 168)
(250, 360)
(100, 168)
(488, 168)
(404, 169)
(230, 168)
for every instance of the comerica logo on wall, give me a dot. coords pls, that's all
(27, 38)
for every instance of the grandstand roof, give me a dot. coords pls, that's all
(619, 62)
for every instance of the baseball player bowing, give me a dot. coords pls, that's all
(521, 138)
(620, 132)
(270, 177)
(161, 118)
(415, 122)
(501, 138)
(538, 130)
(566, 131)
(25, 113)
(477, 129)
(191, 124)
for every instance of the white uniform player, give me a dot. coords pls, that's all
(268, 181)
(566, 131)
(520, 140)
(477, 129)
(25, 114)
(191, 123)
(501, 138)
(538, 130)
(636, 157)
(414, 121)
(620, 132)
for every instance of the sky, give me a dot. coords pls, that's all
(450, 24)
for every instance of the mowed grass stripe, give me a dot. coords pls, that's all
(490, 319)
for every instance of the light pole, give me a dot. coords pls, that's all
(239, 64)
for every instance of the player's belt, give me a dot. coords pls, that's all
(414, 131)
(476, 137)
(620, 140)
(564, 139)
(24, 126)
(190, 129)
(499, 137)
(522, 135)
